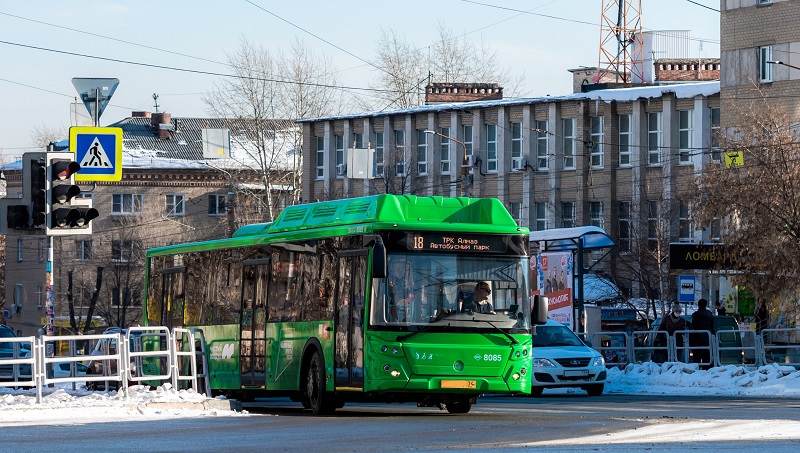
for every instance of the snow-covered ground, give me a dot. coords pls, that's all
(59, 403)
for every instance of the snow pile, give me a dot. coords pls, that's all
(688, 379)
(59, 405)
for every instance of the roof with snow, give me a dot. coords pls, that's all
(681, 91)
(184, 140)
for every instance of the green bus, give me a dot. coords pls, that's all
(361, 299)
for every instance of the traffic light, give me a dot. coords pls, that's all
(38, 190)
(66, 214)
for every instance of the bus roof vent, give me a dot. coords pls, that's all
(293, 215)
(357, 207)
(324, 210)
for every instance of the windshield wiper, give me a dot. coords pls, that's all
(411, 334)
(508, 335)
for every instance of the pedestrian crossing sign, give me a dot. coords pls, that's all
(98, 150)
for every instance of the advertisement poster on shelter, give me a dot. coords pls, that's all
(555, 282)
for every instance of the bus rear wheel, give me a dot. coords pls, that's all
(315, 395)
(459, 406)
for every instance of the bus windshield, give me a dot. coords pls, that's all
(451, 291)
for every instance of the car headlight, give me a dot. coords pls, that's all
(598, 361)
(543, 363)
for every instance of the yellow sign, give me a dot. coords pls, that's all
(734, 159)
(98, 150)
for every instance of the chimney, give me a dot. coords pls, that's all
(161, 124)
(437, 93)
(140, 114)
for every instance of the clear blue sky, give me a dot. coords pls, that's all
(36, 87)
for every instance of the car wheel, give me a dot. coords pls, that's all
(536, 391)
(594, 390)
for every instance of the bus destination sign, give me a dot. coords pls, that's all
(454, 242)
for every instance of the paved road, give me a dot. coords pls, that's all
(551, 423)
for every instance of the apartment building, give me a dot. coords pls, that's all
(621, 159)
(755, 34)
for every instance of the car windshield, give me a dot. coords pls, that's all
(555, 336)
(450, 291)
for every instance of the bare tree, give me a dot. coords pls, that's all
(44, 135)
(405, 69)
(398, 173)
(757, 202)
(269, 93)
(402, 71)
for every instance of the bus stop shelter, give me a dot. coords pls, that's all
(580, 241)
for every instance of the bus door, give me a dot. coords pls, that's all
(171, 310)
(349, 331)
(252, 323)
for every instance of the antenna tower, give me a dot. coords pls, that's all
(621, 52)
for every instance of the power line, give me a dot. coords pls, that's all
(194, 71)
(704, 6)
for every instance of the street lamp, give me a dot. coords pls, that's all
(782, 63)
(464, 161)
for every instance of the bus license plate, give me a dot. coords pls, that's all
(449, 384)
(575, 373)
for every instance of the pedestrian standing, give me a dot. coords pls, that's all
(762, 317)
(702, 320)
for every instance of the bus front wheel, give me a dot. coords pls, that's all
(315, 393)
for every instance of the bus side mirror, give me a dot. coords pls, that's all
(539, 312)
(379, 259)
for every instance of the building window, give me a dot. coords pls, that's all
(216, 204)
(444, 151)
(685, 136)
(764, 68)
(685, 232)
(652, 221)
(422, 152)
(516, 145)
(624, 140)
(541, 145)
(83, 249)
(568, 142)
(715, 233)
(654, 138)
(400, 153)
(123, 250)
(715, 131)
(19, 249)
(624, 226)
(341, 170)
(358, 141)
(378, 166)
(596, 138)
(126, 204)
(596, 213)
(320, 157)
(468, 148)
(491, 147)
(515, 209)
(174, 204)
(541, 216)
(568, 214)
